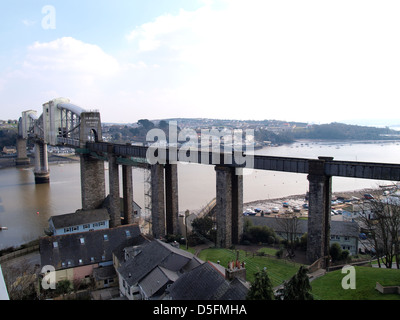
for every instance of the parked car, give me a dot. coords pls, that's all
(275, 210)
(249, 212)
(363, 236)
(267, 211)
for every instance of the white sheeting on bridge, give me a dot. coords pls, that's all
(72, 107)
(3, 288)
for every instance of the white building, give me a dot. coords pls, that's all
(79, 221)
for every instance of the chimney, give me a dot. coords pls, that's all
(236, 269)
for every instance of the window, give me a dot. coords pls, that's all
(128, 233)
(86, 226)
(105, 237)
(55, 244)
(80, 261)
(82, 240)
(92, 259)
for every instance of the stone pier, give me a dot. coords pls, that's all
(115, 202)
(171, 199)
(319, 211)
(164, 200)
(92, 182)
(157, 201)
(229, 206)
(93, 186)
(127, 191)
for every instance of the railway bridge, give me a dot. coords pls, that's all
(65, 124)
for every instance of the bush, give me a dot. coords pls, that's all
(279, 253)
(259, 234)
(335, 252)
(63, 287)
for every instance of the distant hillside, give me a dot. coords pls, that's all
(340, 131)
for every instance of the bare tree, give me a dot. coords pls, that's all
(21, 280)
(380, 217)
(288, 224)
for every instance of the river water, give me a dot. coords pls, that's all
(25, 207)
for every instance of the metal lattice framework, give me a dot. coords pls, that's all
(58, 124)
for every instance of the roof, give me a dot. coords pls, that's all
(205, 282)
(79, 217)
(338, 228)
(3, 288)
(76, 249)
(158, 278)
(155, 254)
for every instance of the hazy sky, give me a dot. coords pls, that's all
(315, 61)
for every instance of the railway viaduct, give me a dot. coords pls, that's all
(63, 123)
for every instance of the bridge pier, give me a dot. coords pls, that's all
(92, 182)
(229, 206)
(127, 190)
(319, 211)
(164, 200)
(157, 201)
(171, 199)
(22, 156)
(115, 202)
(42, 173)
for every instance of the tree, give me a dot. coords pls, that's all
(297, 288)
(288, 224)
(146, 124)
(380, 217)
(261, 288)
(202, 226)
(335, 251)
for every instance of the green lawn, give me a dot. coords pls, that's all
(329, 287)
(278, 270)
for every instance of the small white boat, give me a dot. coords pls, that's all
(3, 228)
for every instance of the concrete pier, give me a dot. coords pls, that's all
(229, 206)
(22, 156)
(42, 173)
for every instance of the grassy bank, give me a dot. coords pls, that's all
(278, 270)
(329, 287)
